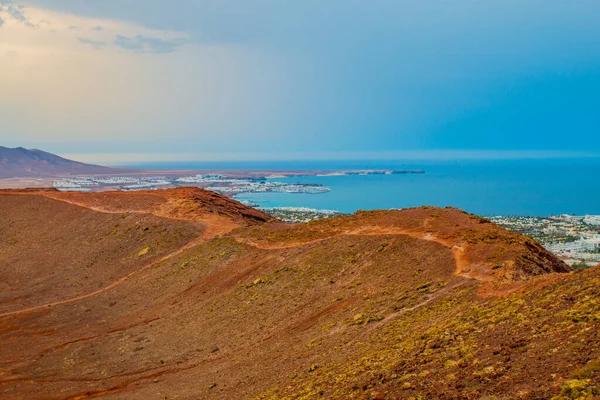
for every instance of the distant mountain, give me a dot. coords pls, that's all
(20, 163)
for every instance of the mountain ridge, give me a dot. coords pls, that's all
(369, 306)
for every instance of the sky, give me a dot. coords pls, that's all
(271, 79)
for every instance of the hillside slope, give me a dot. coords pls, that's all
(58, 246)
(21, 163)
(424, 302)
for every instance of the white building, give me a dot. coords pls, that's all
(592, 219)
(580, 245)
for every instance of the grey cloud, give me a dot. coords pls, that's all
(138, 44)
(98, 28)
(146, 44)
(94, 43)
(16, 12)
(1, 21)
(73, 28)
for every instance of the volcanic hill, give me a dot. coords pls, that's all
(22, 163)
(186, 294)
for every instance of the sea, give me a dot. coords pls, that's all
(530, 187)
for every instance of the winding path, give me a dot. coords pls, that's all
(457, 250)
(217, 228)
(211, 230)
(189, 245)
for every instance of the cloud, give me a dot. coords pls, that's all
(331, 75)
(16, 12)
(147, 44)
(12, 54)
(62, 91)
(103, 34)
(96, 44)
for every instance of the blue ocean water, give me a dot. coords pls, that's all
(534, 187)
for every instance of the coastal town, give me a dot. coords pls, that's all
(214, 182)
(231, 185)
(575, 239)
(298, 215)
(89, 184)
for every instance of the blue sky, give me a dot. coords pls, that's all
(243, 78)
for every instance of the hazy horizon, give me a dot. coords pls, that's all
(119, 159)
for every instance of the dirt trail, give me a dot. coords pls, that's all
(463, 267)
(215, 229)
(53, 196)
(212, 229)
(189, 245)
(215, 226)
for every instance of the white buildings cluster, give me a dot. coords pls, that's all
(201, 178)
(299, 209)
(214, 182)
(297, 215)
(573, 238)
(581, 245)
(592, 219)
(146, 185)
(228, 186)
(85, 184)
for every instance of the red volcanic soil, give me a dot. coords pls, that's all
(187, 294)
(66, 249)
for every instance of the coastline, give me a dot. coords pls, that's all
(260, 174)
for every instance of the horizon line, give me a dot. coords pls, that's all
(404, 155)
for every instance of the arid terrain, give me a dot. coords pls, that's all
(186, 294)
